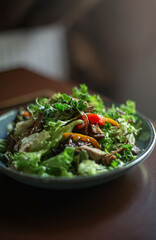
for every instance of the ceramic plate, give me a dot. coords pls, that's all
(146, 142)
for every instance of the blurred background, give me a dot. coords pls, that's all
(109, 45)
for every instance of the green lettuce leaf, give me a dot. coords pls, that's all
(89, 167)
(56, 134)
(95, 100)
(60, 164)
(26, 160)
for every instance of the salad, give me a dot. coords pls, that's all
(71, 136)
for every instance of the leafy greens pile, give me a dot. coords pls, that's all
(71, 135)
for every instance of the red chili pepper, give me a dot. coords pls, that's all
(80, 126)
(95, 118)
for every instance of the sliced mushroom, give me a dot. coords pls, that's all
(89, 109)
(37, 125)
(135, 150)
(108, 158)
(95, 131)
(97, 154)
(94, 153)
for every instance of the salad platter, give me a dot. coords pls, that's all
(77, 141)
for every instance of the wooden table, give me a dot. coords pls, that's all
(122, 209)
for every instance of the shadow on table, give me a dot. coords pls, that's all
(24, 207)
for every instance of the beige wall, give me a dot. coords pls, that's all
(123, 32)
(131, 40)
